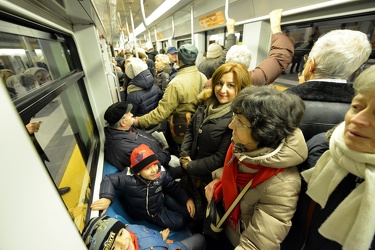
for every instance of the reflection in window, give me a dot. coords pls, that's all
(21, 56)
(38, 72)
(57, 146)
(304, 35)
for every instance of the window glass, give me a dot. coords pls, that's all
(40, 74)
(304, 35)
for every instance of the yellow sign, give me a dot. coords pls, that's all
(212, 20)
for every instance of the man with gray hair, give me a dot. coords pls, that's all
(239, 54)
(326, 92)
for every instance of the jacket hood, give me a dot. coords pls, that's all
(144, 80)
(291, 152)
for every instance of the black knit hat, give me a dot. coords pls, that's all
(100, 233)
(188, 53)
(116, 111)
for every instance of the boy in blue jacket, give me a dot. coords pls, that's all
(147, 192)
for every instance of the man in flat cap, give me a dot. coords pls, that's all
(180, 99)
(121, 137)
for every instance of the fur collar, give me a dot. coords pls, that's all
(324, 91)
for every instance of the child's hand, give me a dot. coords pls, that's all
(190, 207)
(101, 204)
(165, 233)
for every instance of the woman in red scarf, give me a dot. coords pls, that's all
(266, 147)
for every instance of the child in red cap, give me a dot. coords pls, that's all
(148, 192)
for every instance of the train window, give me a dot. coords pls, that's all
(304, 35)
(43, 75)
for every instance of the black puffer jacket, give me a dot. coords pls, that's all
(141, 198)
(143, 93)
(162, 78)
(119, 145)
(326, 104)
(206, 145)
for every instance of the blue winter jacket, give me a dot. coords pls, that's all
(152, 239)
(142, 199)
(143, 93)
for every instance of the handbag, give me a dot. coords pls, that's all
(214, 220)
(178, 125)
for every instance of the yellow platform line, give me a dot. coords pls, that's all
(77, 178)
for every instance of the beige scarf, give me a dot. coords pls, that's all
(352, 224)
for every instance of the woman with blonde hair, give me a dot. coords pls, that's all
(162, 69)
(208, 137)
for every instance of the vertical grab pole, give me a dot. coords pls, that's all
(134, 37)
(126, 22)
(144, 18)
(192, 23)
(156, 36)
(149, 35)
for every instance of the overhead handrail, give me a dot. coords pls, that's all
(301, 10)
(167, 38)
(192, 23)
(143, 13)
(226, 10)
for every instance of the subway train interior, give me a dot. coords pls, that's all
(74, 42)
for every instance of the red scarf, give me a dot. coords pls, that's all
(224, 188)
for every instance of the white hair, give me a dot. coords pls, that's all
(339, 53)
(239, 54)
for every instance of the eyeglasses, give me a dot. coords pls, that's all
(238, 122)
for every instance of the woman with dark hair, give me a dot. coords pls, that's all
(266, 147)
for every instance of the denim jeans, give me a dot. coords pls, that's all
(195, 242)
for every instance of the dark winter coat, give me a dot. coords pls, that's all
(142, 199)
(143, 93)
(173, 71)
(206, 144)
(119, 145)
(315, 241)
(152, 54)
(317, 145)
(326, 105)
(162, 78)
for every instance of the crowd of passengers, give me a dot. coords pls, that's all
(185, 135)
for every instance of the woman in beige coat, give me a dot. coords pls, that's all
(266, 147)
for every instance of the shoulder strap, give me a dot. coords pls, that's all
(234, 203)
(309, 216)
(200, 83)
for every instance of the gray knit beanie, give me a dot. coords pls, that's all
(188, 53)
